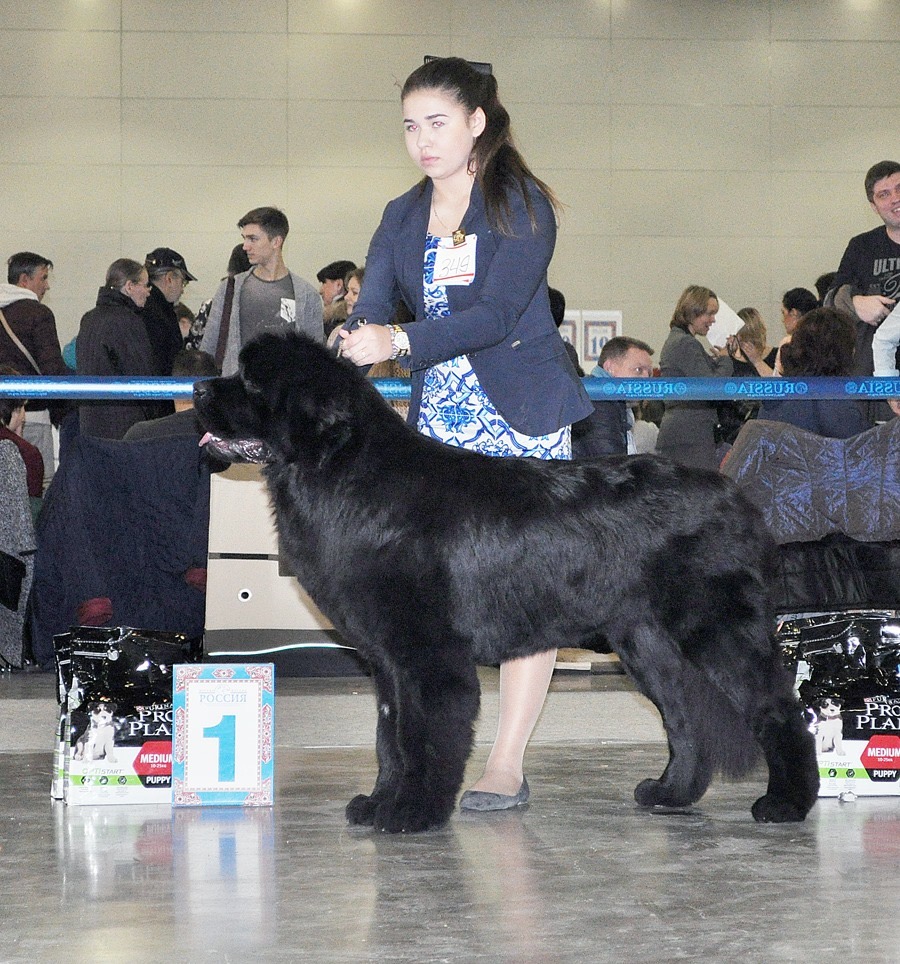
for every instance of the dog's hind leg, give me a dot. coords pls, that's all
(661, 673)
(361, 809)
(437, 703)
(790, 753)
(765, 710)
(762, 693)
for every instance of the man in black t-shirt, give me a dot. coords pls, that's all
(868, 279)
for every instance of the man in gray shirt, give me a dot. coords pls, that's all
(268, 297)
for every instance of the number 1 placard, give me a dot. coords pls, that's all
(223, 736)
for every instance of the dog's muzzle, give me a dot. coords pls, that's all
(238, 450)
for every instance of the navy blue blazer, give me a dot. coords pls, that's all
(501, 321)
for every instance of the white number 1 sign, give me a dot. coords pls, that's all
(223, 735)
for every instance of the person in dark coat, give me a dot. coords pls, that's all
(823, 343)
(608, 429)
(112, 340)
(169, 277)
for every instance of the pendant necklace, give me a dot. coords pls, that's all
(458, 235)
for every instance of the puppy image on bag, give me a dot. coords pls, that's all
(829, 727)
(98, 740)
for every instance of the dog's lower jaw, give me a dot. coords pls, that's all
(253, 451)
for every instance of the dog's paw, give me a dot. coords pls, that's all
(361, 811)
(769, 809)
(655, 793)
(408, 818)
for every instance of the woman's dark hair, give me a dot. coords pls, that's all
(496, 162)
(238, 262)
(822, 344)
(183, 312)
(8, 404)
(800, 300)
(693, 302)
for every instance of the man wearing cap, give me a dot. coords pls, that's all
(169, 277)
(332, 289)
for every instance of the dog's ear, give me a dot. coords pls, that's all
(305, 392)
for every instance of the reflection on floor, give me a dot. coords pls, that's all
(578, 875)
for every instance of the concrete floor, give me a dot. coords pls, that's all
(580, 874)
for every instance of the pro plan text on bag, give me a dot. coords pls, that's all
(848, 678)
(115, 738)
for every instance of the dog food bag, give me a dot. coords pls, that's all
(63, 656)
(116, 732)
(848, 678)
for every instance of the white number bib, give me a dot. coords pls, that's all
(455, 264)
(288, 310)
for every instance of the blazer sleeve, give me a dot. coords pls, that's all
(510, 276)
(380, 290)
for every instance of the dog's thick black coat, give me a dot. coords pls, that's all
(432, 559)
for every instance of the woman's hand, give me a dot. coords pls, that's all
(368, 345)
(734, 348)
(750, 351)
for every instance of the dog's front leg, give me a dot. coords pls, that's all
(361, 809)
(436, 709)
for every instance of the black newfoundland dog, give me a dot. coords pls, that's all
(431, 559)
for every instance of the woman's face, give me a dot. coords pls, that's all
(138, 291)
(352, 295)
(702, 323)
(17, 419)
(789, 319)
(440, 134)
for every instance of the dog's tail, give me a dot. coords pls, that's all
(726, 741)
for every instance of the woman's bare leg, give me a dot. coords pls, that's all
(523, 687)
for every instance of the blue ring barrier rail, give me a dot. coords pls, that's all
(397, 389)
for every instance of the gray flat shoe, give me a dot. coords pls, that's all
(483, 800)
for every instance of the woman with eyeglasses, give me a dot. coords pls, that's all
(112, 340)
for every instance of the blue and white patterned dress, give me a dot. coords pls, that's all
(455, 408)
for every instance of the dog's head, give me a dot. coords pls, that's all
(291, 399)
(101, 713)
(829, 708)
